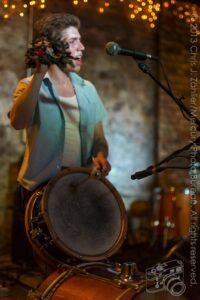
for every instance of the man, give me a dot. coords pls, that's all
(60, 111)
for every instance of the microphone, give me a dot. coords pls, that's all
(113, 48)
(143, 174)
(149, 171)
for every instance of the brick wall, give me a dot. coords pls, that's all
(13, 35)
(173, 129)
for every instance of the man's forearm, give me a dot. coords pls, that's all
(100, 145)
(100, 148)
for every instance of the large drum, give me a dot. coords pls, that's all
(187, 207)
(76, 216)
(76, 284)
(172, 212)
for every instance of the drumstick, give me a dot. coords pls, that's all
(92, 173)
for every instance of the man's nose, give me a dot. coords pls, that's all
(81, 46)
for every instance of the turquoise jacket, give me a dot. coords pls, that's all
(46, 133)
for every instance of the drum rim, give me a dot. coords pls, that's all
(121, 236)
(45, 257)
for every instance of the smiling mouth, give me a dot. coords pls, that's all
(78, 60)
(77, 57)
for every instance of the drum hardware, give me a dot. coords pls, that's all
(36, 232)
(114, 268)
(37, 219)
(168, 207)
(89, 265)
(34, 295)
(129, 271)
(154, 225)
(46, 245)
(167, 226)
(130, 276)
(39, 193)
(117, 267)
(47, 238)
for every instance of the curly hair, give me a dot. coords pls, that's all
(53, 24)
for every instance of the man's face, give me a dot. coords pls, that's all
(72, 36)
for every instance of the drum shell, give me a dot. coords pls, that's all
(183, 212)
(164, 211)
(87, 286)
(81, 287)
(174, 206)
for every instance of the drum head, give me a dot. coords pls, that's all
(85, 214)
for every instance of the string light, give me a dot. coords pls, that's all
(8, 8)
(144, 17)
(180, 8)
(32, 3)
(145, 10)
(101, 10)
(166, 4)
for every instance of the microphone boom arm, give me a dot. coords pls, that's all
(144, 68)
(158, 168)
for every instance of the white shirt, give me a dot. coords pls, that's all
(72, 143)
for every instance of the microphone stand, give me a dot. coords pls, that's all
(184, 109)
(167, 224)
(146, 69)
(159, 168)
(156, 169)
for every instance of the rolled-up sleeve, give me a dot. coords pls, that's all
(21, 87)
